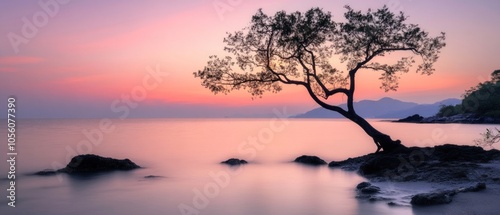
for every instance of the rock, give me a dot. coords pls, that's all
(434, 164)
(363, 185)
(443, 197)
(432, 198)
(467, 118)
(93, 163)
(450, 152)
(379, 164)
(46, 172)
(414, 118)
(365, 190)
(234, 161)
(351, 164)
(310, 160)
(370, 189)
(476, 188)
(335, 164)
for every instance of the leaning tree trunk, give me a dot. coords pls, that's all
(383, 141)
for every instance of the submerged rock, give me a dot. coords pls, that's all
(93, 163)
(234, 161)
(392, 204)
(475, 188)
(363, 185)
(46, 172)
(310, 160)
(443, 196)
(152, 176)
(367, 188)
(432, 198)
(370, 189)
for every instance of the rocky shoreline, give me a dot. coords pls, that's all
(460, 118)
(450, 165)
(444, 163)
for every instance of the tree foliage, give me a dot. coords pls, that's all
(489, 138)
(297, 48)
(482, 100)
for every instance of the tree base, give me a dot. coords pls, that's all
(385, 143)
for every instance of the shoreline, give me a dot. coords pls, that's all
(441, 173)
(456, 119)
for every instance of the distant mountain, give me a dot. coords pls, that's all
(383, 108)
(425, 110)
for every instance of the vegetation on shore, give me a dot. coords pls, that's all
(482, 100)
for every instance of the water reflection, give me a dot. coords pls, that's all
(186, 152)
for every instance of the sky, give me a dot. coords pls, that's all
(117, 58)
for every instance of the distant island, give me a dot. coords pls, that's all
(385, 108)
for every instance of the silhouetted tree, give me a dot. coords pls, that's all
(298, 48)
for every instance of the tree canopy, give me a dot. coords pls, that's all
(296, 48)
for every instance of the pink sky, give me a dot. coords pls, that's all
(95, 51)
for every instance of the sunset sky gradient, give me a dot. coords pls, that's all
(88, 54)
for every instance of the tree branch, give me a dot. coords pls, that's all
(325, 105)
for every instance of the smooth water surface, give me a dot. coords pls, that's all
(185, 153)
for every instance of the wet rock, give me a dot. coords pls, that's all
(234, 161)
(310, 160)
(93, 163)
(443, 196)
(476, 188)
(370, 189)
(152, 176)
(432, 198)
(363, 185)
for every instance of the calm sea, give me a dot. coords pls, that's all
(185, 154)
